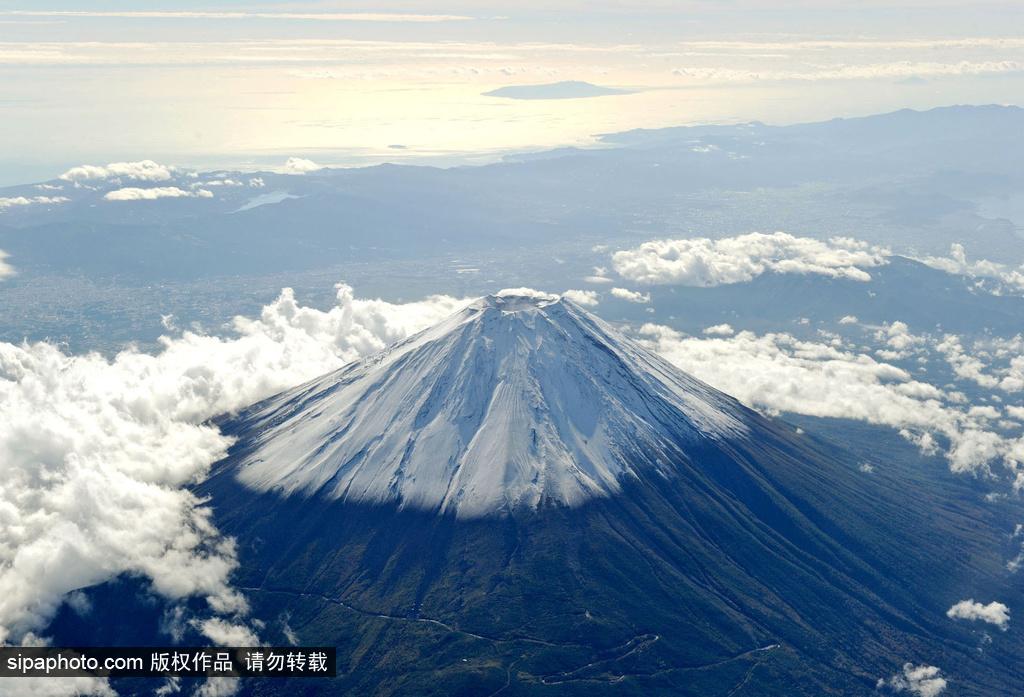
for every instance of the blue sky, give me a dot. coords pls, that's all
(235, 84)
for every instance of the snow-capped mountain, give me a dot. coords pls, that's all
(522, 501)
(519, 400)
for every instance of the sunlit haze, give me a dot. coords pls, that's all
(232, 84)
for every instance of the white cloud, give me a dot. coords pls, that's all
(923, 681)
(197, 14)
(5, 268)
(897, 335)
(225, 633)
(525, 292)
(631, 295)
(289, 633)
(218, 182)
(705, 262)
(862, 71)
(992, 362)
(92, 446)
(31, 200)
(299, 165)
(597, 280)
(171, 686)
(993, 613)
(151, 194)
(848, 319)
(993, 276)
(778, 373)
(719, 330)
(56, 687)
(964, 365)
(585, 298)
(143, 170)
(218, 687)
(899, 340)
(816, 45)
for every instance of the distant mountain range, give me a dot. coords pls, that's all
(912, 180)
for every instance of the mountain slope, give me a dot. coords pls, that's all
(522, 501)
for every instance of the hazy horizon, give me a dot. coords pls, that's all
(225, 85)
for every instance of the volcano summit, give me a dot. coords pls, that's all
(521, 500)
(515, 402)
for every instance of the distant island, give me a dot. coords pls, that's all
(569, 89)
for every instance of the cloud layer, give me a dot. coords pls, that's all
(132, 193)
(143, 170)
(777, 372)
(992, 276)
(705, 262)
(11, 201)
(186, 14)
(92, 446)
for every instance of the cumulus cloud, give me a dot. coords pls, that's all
(225, 633)
(143, 170)
(218, 182)
(898, 339)
(132, 193)
(776, 373)
(300, 165)
(585, 298)
(705, 262)
(963, 364)
(990, 362)
(897, 335)
(218, 687)
(631, 295)
(12, 201)
(56, 687)
(924, 681)
(90, 447)
(992, 276)
(993, 613)
(719, 330)
(5, 268)
(848, 319)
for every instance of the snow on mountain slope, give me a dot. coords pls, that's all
(521, 399)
